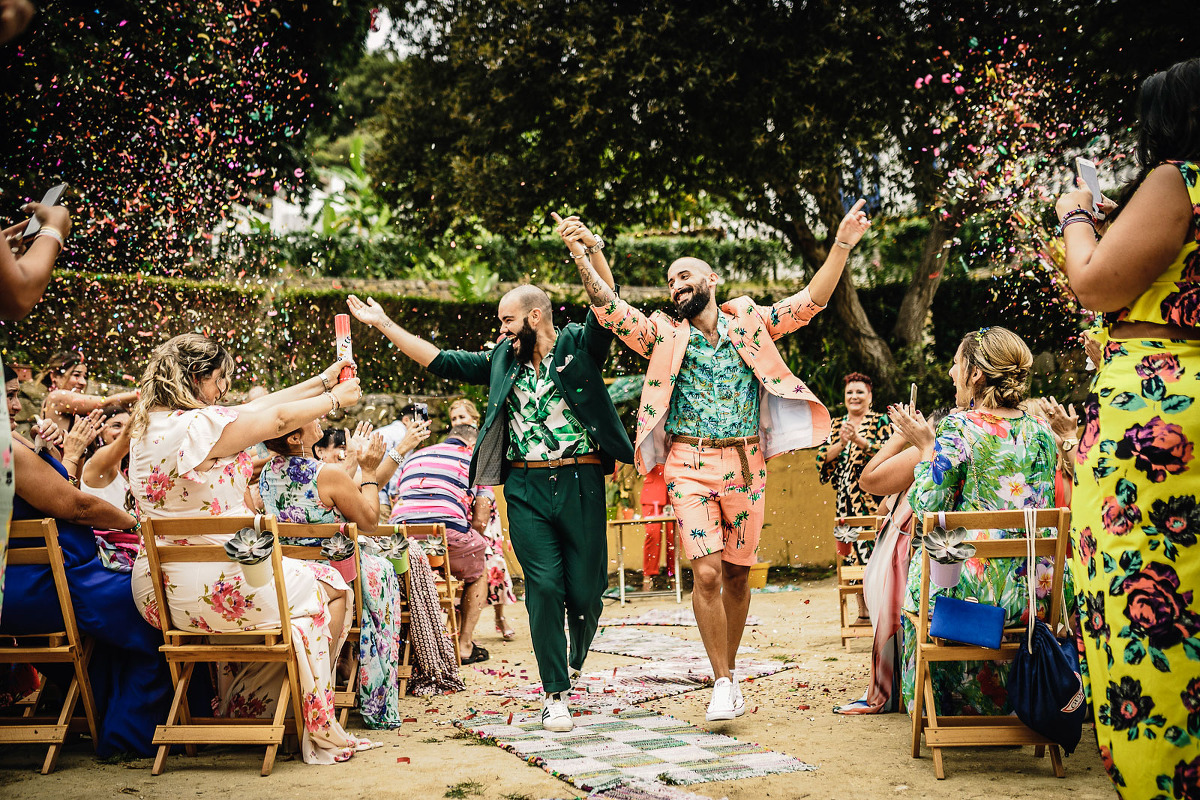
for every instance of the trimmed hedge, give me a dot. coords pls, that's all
(280, 335)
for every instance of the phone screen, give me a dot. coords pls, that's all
(421, 412)
(51, 198)
(1087, 171)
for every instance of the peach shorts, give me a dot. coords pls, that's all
(717, 511)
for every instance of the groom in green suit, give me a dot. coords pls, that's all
(550, 435)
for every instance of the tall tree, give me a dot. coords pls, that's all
(510, 108)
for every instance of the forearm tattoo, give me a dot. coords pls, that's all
(599, 292)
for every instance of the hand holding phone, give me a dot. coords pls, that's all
(1086, 171)
(51, 198)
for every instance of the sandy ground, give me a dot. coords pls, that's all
(858, 757)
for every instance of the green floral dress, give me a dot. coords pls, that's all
(288, 485)
(982, 463)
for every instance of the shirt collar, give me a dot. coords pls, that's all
(722, 328)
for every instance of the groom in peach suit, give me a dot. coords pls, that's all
(718, 401)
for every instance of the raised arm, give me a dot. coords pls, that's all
(24, 275)
(257, 425)
(357, 500)
(631, 326)
(67, 403)
(850, 230)
(309, 387)
(371, 313)
(100, 469)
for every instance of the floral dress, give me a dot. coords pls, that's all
(165, 481)
(499, 582)
(846, 469)
(288, 485)
(982, 463)
(1136, 516)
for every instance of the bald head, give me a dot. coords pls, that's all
(524, 299)
(691, 264)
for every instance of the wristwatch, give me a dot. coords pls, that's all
(1068, 444)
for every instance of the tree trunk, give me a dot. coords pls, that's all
(914, 309)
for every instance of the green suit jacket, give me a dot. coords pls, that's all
(579, 353)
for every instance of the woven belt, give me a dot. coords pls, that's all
(740, 443)
(589, 458)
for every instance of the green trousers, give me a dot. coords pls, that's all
(559, 534)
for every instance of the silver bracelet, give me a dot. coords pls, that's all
(596, 248)
(842, 244)
(394, 456)
(53, 234)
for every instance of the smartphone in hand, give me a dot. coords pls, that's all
(50, 198)
(1086, 170)
(912, 400)
(421, 412)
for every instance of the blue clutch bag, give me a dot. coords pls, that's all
(966, 622)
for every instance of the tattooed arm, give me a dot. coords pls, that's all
(593, 269)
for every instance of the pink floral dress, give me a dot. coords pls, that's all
(165, 482)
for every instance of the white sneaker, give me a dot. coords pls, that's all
(723, 703)
(556, 717)
(739, 704)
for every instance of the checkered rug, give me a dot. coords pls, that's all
(684, 617)
(623, 687)
(622, 641)
(605, 751)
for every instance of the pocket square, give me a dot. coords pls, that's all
(566, 362)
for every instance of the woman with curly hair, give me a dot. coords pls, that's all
(188, 458)
(1135, 510)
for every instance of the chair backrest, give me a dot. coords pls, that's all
(48, 553)
(1054, 546)
(324, 530)
(160, 553)
(869, 525)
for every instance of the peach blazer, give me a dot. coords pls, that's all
(790, 416)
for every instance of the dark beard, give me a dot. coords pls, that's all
(695, 304)
(524, 342)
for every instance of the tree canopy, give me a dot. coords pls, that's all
(784, 111)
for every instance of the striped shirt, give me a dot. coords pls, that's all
(432, 487)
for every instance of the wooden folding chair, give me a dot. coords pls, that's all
(980, 731)
(345, 694)
(404, 669)
(448, 587)
(849, 581)
(185, 648)
(60, 646)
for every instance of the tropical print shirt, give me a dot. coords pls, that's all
(716, 395)
(541, 425)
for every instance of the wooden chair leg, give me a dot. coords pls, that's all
(918, 706)
(1056, 762)
(931, 712)
(85, 690)
(181, 682)
(281, 709)
(1039, 751)
(70, 700)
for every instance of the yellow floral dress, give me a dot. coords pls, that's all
(165, 482)
(1136, 519)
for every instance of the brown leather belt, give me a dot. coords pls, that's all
(588, 458)
(740, 443)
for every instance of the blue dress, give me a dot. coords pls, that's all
(129, 677)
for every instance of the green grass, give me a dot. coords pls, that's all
(516, 796)
(469, 738)
(459, 791)
(664, 778)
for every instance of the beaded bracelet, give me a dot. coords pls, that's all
(1074, 215)
(53, 234)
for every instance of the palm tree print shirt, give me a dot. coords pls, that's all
(541, 425)
(716, 394)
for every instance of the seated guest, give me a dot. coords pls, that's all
(888, 474)
(105, 476)
(331, 447)
(298, 488)
(433, 488)
(189, 458)
(65, 379)
(500, 593)
(129, 677)
(401, 437)
(991, 456)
